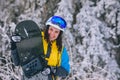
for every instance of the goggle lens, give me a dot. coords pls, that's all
(58, 21)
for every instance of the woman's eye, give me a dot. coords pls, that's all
(56, 31)
(51, 29)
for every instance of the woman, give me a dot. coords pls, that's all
(55, 53)
(58, 55)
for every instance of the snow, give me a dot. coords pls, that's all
(90, 36)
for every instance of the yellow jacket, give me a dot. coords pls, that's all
(54, 59)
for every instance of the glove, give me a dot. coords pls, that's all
(61, 72)
(16, 38)
(46, 71)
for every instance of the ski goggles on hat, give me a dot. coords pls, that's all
(59, 21)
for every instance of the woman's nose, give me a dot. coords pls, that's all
(52, 33)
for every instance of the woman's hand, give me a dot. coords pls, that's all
(15, 38)
(46, 71)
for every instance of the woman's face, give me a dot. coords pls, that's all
(53, 33)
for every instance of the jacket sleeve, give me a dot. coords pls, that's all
(14, 54)
(64, 68)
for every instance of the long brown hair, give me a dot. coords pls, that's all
(58, 40)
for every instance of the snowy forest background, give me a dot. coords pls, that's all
(92, 36)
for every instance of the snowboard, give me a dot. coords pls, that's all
(30, 48)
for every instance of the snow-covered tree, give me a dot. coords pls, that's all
(95, 49)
